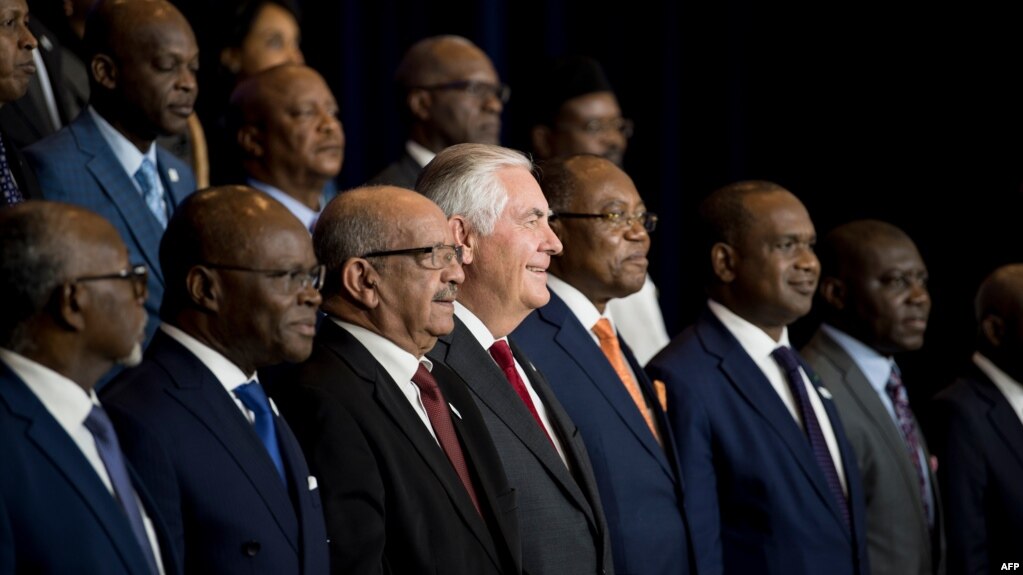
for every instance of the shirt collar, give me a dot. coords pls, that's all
(301, 211)
(476, 326)
(1010, 388)
(578, 304)
(875, 367)
(227, 373)
(753, 340)
(419, 153)
(126, 153)
(66, 401)
(398, 363)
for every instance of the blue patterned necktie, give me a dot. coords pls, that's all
(149, 181)
(9, 188)
(254, 398)
(789, 363)
(110, 452)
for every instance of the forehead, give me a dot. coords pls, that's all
(458, 61)
(590, 106)
(296, 85)
(601, 184)
(160, 31)
(890, 253)
(13, 6)
(775, 214)
(272, 17)
(524, 194)
(419, 223)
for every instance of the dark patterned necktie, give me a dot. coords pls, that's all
(12, 195)
(907, 425)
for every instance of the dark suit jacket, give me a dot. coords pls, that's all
(563, 527)
(216, 486)
(56, 515)
(899, 539)
(403, 173)
(757, 501)
(979, 443)
(640, 482)
(76, 165)
(392, 500)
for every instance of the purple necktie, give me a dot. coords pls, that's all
(789, 362)
(8, 187)
(907, 425)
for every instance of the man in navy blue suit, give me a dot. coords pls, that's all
(225, 469)
(771, 480)
(73, 308)
(143, 60)
(604, 228)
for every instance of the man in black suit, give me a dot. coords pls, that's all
(372, 412)
(451, 95)
(226, 471)
(500, 216)
(17, 182)
(978, 435)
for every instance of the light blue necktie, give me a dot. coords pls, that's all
(149, 181)
(254, 398)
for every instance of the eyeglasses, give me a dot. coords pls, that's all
(285, 281)
(474, 88)
(441, 255)
(138, 274)
(598, 126)
(616, 219)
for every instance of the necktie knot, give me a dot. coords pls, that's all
(604, 331)
(98, 423)
(502, 354)
(425, 381)
(786, 358)
(149, 183)
(253, 397)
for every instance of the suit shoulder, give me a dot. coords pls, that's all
(684, 351)
(52, 151)
(139, 388)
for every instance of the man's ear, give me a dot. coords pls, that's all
(420, 103)
(723, 261)
(993, 328)
(68, 301)
(463, 236)
(249, 141)
(104, 71)
(359, 280)
(541, 137)
(203, 285)
(833, 292)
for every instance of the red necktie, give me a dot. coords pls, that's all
(502, 354)
(440, 419)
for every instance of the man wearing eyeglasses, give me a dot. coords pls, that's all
(605, 230)
(411, 481)
(73, 308)
(225, 469)
(451, 95)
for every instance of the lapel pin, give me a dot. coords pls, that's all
(172, 175)
(824, 392)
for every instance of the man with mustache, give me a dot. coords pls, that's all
(285, 123)
(73, 309)
(873, 291)
(497, 211)
(411, 480)
(142, 62)
(771, 482)
(226, 471)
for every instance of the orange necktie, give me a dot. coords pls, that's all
(609, 345)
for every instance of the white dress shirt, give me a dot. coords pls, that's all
(70, 405)
(640, 321)
(758, 345)
(126, 153)
(419, 153)
(398, 363)
(301, 211)
(1010, 388)
(482, 334)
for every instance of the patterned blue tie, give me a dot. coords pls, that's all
(789, 362)
(12, 195)
(149, 181)
(110, 452)
(254, 398)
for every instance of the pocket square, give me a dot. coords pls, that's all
(662, 394)
(312, 483)
(824, 392)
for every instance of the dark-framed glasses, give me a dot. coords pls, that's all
(616, 219)
(285, 281)
(598, 126)
(137, 274)
(441, 255)
(474, 88)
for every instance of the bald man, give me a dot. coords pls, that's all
(451, 95)
(225, 469)
(978, 435)
(142, 60)
(873, 293)
(286, 124)
(372, 411)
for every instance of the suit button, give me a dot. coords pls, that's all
(251, 548)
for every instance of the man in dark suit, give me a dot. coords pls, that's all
(451, 95)
(73, 308)
(978, 435)
(604, 228)
(873, 290)
(499, 215)
(17, 182)
(771, 481)
(226, 472)
(143, 61)
(372, 412)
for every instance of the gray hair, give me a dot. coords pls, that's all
(462, 179)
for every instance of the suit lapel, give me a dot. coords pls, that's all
(198, 390)
(754, 387)
(1003, 419)
(57, 446)
(119, 187)
(175, 184)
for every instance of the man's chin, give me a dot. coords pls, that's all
(132, 359)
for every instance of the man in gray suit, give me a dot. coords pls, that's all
(873, 289)
(500, 217)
